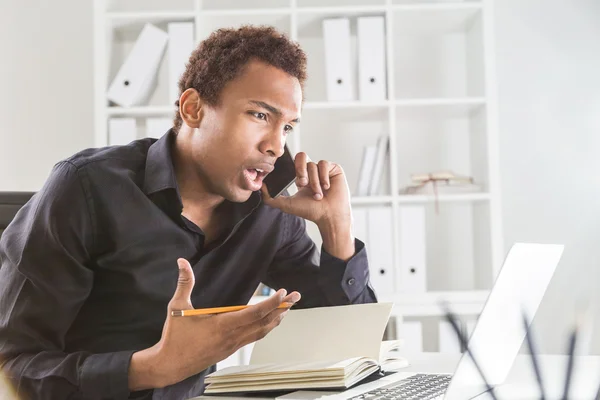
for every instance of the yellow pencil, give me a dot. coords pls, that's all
(217, 310)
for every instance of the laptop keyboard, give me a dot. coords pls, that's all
(416, 387)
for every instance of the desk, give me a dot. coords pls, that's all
(520, 383)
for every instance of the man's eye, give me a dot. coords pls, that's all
(260, 115)
(288, 128)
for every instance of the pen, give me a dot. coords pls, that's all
(463, 342)
(532, 351)
(217, 310)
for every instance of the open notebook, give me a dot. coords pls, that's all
(319, 348)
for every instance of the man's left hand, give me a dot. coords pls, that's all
(323, 195)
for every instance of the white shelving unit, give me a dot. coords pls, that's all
(440, 113)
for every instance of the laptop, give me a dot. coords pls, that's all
(495, 341)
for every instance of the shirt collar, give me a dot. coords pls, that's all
(160, 175)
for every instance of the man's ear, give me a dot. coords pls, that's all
(191, 108)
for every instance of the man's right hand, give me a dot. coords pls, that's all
(189, 345)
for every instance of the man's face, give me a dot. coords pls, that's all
(240, 139)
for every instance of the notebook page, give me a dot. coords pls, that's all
(325, 333)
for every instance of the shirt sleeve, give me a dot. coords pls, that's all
(321, 279)
(44, 280)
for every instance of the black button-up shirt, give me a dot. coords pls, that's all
(89, 265)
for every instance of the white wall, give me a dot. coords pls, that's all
(46, 103)
(548, 61)
(549, 86)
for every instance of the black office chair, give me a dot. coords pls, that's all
(10, 203)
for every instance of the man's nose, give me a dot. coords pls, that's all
(274, 144)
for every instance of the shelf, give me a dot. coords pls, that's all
(339, 10)
(428, 303)
(453, 106)
(141, 111)
(441, 107)
(248, 11)
(434, 18)
(125, 18)
(437, 6)
(327, 105)
(371, 200)
(231, 5)
(443, 198)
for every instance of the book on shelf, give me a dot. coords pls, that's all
(382, 151)
(325, 348)
(372, 167)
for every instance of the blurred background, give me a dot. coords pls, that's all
(499, 100)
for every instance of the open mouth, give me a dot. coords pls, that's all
(253, 178)
(256, 174)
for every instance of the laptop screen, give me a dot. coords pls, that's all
(499, 332)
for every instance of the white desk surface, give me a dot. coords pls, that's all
(520, 384)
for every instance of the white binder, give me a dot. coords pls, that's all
(412, 249)
(157, 127)
(447, 339)
(121, 131)
(366, 170)
(336, 37)
(380, 252)
(181, 45)
(136, 78)
(412, 334)
(359, 226)
(371, 58)
(382, 149)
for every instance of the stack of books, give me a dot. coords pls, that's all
(442, 182)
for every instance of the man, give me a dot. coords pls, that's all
(88, 273)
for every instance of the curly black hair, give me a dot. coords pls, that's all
(222, 56)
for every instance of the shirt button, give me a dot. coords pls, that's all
(351, 281)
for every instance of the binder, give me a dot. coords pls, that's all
(338, 75)
(121, 131)
(382, 150)
(372, 82)
(157, 127)
(412, 249)
(366, 170)
(359, 225)
(448, 342)
(181, 45)
(381, 244)
(412, 334)
(136, 78)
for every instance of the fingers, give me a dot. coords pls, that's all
(314, 181)
(301, 171)
(316, 176)
(258, 311)
(185, 284)
(293, 297)
(324, 169)
(259, 329)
